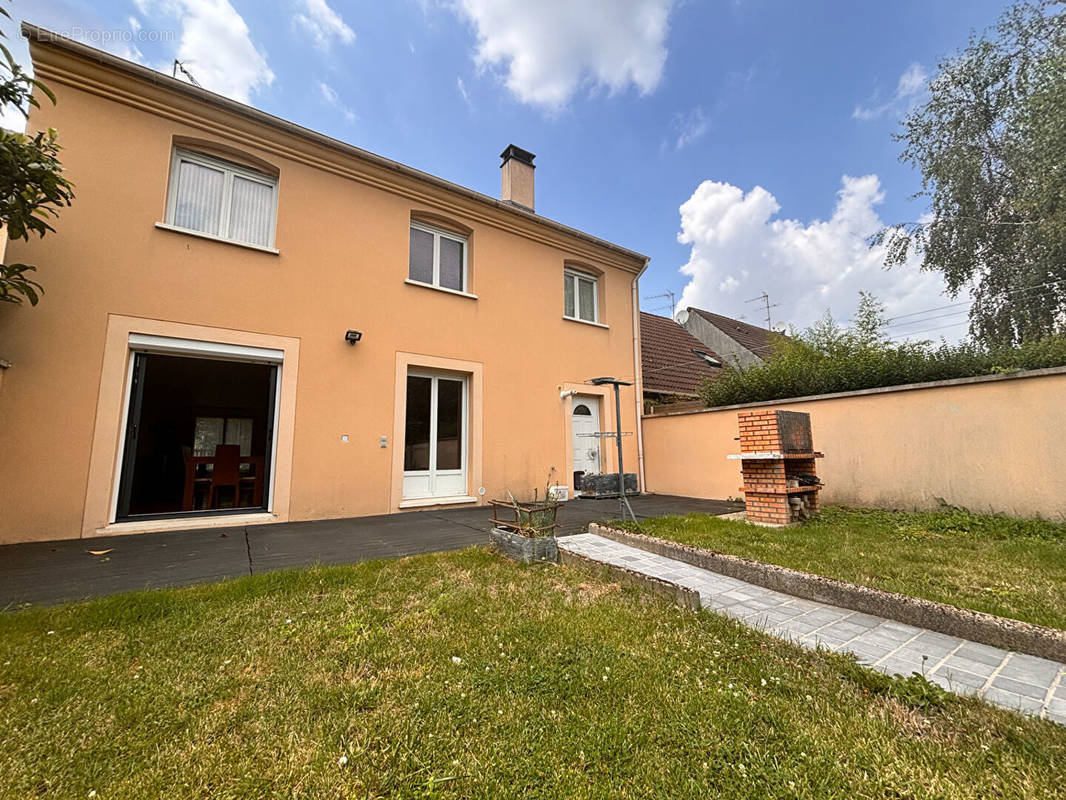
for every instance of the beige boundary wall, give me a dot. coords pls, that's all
(993, 443)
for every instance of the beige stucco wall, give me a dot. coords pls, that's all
(342, 237)
(991, 445)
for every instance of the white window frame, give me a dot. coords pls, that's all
(438, 234)
(412, 488)
(572, 275)
(229, 170)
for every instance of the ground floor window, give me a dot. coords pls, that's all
(434, 456)
(199, 436)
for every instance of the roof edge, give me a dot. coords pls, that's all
(43, 36)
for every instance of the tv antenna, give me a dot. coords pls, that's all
(178, 65)
(765, 299)
(673, 302)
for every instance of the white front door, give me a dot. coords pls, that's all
(585, 419)
(434, 456)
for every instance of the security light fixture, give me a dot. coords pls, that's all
(351, 337)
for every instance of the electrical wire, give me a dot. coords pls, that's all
(926, 330)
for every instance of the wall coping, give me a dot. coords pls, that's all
(904, 387)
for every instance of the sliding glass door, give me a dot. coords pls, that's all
(434, 461)
(199, 437)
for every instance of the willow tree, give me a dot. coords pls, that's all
(990, 143)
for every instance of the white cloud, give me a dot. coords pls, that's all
(215, 45)
(549, 49)
(909, 89)
(740, 249)
(323, 24)
(461, 86)
(330, 96)
(79, 25)
(12, 119)
(689, 127)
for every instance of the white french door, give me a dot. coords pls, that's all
(435, 435)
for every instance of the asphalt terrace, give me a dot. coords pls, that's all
(43, 573)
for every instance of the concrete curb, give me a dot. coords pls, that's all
(679, 595)
(1010, 634)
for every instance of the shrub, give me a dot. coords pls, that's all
(827, 358)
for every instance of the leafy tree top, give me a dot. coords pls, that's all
(990, 143)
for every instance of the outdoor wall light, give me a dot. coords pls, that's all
(351, 337)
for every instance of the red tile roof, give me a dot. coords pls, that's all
(668, 363)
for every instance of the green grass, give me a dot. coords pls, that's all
(1010, 567)
(565, 686)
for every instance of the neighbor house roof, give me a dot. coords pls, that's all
(39, 36)
(752, 337)
(670, 357)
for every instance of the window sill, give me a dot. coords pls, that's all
(586, 322)
(166, 226)
(187, 523)
(444, 289)
(420, 502)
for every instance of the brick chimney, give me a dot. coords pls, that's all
(517, 176)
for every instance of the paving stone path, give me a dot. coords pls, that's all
(1017, 681)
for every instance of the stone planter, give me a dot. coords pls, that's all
(606, 485)
(524, 549)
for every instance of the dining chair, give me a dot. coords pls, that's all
(193, 481)
(226, 473)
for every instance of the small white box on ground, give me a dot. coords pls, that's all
(560, 494)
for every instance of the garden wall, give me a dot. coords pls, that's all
(992, 443)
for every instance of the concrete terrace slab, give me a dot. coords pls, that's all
(64, 570)
(1012, 680)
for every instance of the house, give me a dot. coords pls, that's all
(735, 341)
(673, 362)
(246, 321)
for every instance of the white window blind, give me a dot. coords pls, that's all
(437, 257)
(216, 197)
(579, 297)
(199, 197)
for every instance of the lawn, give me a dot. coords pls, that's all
(1013, 568)
(463, 675)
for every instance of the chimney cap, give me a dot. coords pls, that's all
(517, 153)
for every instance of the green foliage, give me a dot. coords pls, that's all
(915, 690)
(990, 143)
(827, 358)
(32, 185)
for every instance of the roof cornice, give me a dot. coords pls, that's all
(58, 59)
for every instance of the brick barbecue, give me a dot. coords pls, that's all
(777, 459)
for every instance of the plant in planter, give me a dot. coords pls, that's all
(525, 531)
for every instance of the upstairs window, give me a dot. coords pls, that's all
(438, 258)
(222, 199)
(579, 296)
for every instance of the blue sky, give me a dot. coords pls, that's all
(745, 146)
